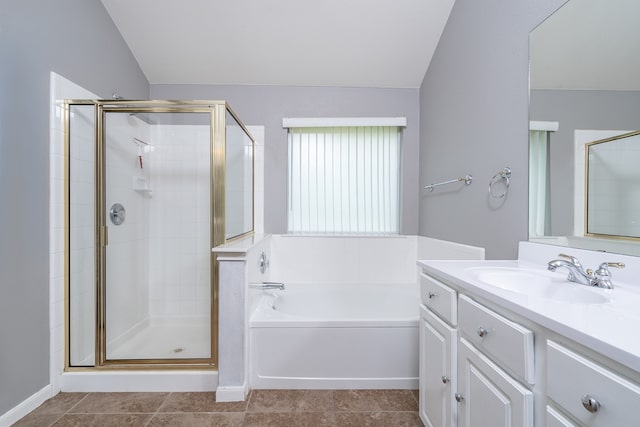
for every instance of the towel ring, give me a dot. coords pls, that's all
(503, 176)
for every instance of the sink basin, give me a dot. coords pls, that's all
(541, 284)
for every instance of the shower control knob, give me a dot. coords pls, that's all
(117, 214)
(445, 379)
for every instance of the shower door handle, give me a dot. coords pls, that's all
(104, 235)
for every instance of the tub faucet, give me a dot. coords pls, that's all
(268, 285)
(601, 278)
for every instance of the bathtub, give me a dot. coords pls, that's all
(335, 336)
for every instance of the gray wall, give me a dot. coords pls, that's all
(77, 39)
(474, 119)
(267, 105)
(578, 109)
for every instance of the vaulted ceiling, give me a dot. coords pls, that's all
(352, 43)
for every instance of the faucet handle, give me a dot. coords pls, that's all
(603, 275)
(573, 259)
(612, 264)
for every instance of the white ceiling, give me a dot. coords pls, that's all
(349, 43)
(588, 44)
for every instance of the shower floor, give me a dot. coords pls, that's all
(164, 338)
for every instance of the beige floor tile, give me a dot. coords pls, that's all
(103, 420)
(374, 400)
(60, 403)
(37, 420)
(199, 402)
(119, 403)
(264, 408)
(378, 419)
(230, 419)
(290, 419)
(290, 401)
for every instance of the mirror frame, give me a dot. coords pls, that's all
(586, 189)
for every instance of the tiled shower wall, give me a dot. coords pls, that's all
(127, 253)
(179, 220)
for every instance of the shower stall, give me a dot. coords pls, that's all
(151, 187)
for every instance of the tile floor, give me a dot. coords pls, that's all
(273, 408)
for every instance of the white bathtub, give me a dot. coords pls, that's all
(335, 336)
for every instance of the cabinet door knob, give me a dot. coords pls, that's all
(431, 295)
(482, 332)
(458, 397)
(590, 404)
(445, 379)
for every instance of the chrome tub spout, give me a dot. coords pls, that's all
(268, 286)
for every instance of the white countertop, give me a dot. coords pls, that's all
(611, 328)
(240, 246)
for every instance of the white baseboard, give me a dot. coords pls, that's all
(22, 409)
(147, 381)
(232, 394)
(308, 383)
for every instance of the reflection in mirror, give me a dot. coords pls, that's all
(613, 190)
(238, 179)
(585, 75)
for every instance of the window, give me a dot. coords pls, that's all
(344, 179)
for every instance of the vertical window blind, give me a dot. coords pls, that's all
(539, 184)
(344, 180)
(539, 177)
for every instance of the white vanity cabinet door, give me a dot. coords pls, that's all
(572, 378)
(488, 396)
(437, 371)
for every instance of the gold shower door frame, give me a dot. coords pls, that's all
(216, 110)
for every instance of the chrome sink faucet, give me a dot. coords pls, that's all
(600, 278)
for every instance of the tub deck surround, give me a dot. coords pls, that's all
(237, 267)
(359, 259)
(607, 324)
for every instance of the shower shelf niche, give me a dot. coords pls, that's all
(141, 184)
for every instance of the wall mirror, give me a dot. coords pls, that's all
(584, 83)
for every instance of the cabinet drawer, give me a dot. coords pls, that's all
(556, 419)
(572, 378)
(508, 343)
(440, 298)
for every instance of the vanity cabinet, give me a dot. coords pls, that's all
(461, 353)
(482, 365)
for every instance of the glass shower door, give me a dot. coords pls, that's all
(157, 302)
